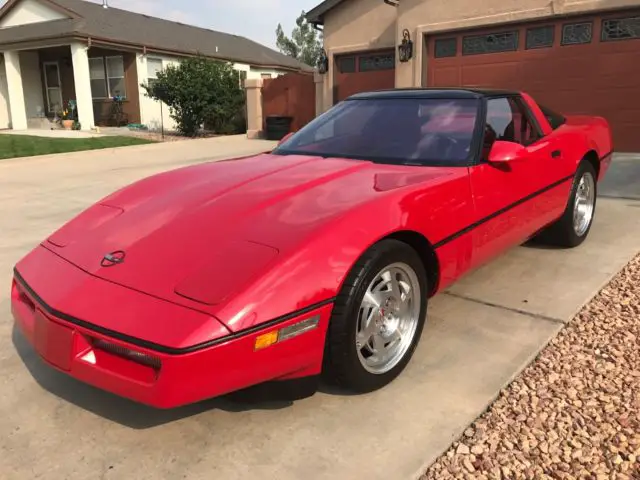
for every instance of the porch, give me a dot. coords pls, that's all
(37, 85)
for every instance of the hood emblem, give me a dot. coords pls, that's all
(113, 258)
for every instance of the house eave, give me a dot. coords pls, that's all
(66, 39)
(40, 42)
(183, 53)
(315, 16)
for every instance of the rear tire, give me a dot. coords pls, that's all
(377, 319)
(574, 226)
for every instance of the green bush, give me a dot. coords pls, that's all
(200, 91)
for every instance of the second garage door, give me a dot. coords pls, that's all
(583, 65)
(362, 72)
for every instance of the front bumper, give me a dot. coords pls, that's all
(147, 375)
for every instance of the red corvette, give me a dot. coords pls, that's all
(317, 258)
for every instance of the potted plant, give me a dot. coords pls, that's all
(68, 115)
(66, 119)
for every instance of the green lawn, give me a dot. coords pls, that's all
(12, 146)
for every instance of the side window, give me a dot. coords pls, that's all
(555, 119)
(508, 120)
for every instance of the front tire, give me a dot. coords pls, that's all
(575, 224)
(377, 319)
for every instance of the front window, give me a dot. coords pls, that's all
(107, 77)
(154, 66)
(414, 131)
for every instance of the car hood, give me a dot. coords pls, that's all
(198, 234)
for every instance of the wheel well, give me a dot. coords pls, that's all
(594, 160)
(426, 252)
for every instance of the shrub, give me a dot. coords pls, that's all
(199, 91)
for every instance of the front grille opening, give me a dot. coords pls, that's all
(127, 353)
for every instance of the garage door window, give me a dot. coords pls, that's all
(372, 63)
(620, 29)
(540, 37)
(492, 43)
(446, 47)
(347, 64)
(577, 33)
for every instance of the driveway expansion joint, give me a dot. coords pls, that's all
(611, 196)
(510, 309)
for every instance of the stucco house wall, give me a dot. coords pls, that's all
(30, 11)
(152, 114)
(356, 25)
(32, 84)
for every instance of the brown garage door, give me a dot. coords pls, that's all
(577, 65)
(361, 72)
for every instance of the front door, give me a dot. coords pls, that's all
(515, 199)
(53, 87)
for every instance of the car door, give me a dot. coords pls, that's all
(512, 200)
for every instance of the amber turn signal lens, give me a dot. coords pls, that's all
(266, 340)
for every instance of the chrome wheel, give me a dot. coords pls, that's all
(584, 204)
(388, 318)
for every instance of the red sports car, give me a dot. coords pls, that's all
(316, 259)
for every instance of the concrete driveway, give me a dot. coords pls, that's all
(479, 335)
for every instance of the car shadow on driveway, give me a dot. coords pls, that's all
(127, 412)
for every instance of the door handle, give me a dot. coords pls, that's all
(556, 154)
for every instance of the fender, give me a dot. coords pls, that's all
(314, 270)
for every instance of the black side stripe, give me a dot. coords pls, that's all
(531, 196)
(155, 346)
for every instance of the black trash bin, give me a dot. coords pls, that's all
(277, 127)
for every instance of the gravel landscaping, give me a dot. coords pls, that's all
(574, 413)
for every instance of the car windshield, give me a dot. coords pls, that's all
(413, 131)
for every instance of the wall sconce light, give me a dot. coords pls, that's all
(405, 49)
(323, 63)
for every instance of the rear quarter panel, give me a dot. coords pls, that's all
(588, 133)
(580, 135)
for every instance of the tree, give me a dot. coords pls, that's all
(305, 43)
(199, 91)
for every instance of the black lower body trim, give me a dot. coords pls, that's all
(154, 346)
(474, 225)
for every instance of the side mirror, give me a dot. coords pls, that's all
(285, 138)
(502, 152)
